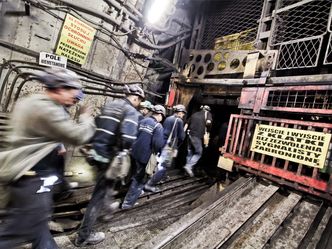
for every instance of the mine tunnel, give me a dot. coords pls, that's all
(166, 124)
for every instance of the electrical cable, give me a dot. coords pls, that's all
(126, 52)
(107, 18)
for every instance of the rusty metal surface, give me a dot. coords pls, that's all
(301, 99)
(298, 31)
(221, 221)
(205, 63)
(303, 80)
(256, 219)
(129, 228)
(295, 227)
(319, 230)
(305, 180)
(297, 175)
(265, 224)
(180, 228)
(246, 214)
(220, 19)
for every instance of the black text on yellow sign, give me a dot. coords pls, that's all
(75, 40)
(300, 146)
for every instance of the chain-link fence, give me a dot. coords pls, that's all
(226, 17)
(299, 30)
(284, 3)
(303, 21)
(300, 53)
(328, 53)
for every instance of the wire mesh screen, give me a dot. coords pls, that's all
(328, 54)
(303, 21)
(318, 99)
(284, 3)
(298, 32)
(226, 17)
(299, 54)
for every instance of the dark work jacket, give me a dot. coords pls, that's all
(197, 124)
(116, 128)
(178, 132)
(149, 140)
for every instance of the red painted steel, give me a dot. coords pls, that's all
(237, 147)
(256, 99)
(281, 120)
(297, 110)
(305, 180)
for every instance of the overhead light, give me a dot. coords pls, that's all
(157, 10)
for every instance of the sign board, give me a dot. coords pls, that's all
(225, 163)
(75, 40)
(300, 146)
(52, 60)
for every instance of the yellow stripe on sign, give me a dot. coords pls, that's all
(300, 146)
(75, 40)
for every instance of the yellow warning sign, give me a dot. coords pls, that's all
(75, 40)
(301, 146)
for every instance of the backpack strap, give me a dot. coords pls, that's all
(171, 134)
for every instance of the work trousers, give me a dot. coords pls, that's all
(29, 213)
(101, 195)
(136, 186)
(195, 151)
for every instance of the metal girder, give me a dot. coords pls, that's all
(299, 80)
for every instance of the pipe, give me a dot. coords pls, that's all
(168, 25)
(163, 76)
(84, 72)
(17, 94)
(118, 6)
(103, 90)
(108, 95)
(149, 45)
(112, 21)
(90, 11)
(15, 61)
(168, 39)
(11, 90)
(85, 92)
(19, 89)
(7, 76)
(132, 8)
(36, 55)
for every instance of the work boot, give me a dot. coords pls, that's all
(109, 209)
(127, 206)
(188, 171)
(150, 188)
(93, 239)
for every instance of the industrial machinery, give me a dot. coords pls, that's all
(271, 59)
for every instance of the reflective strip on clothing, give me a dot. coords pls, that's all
(130, 137)
(146, 127)
(130, 121)
(108, 117)
(106, 131)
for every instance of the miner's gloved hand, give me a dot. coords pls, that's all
(119, 167)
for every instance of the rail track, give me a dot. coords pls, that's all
(251, 215)
(188, 213)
